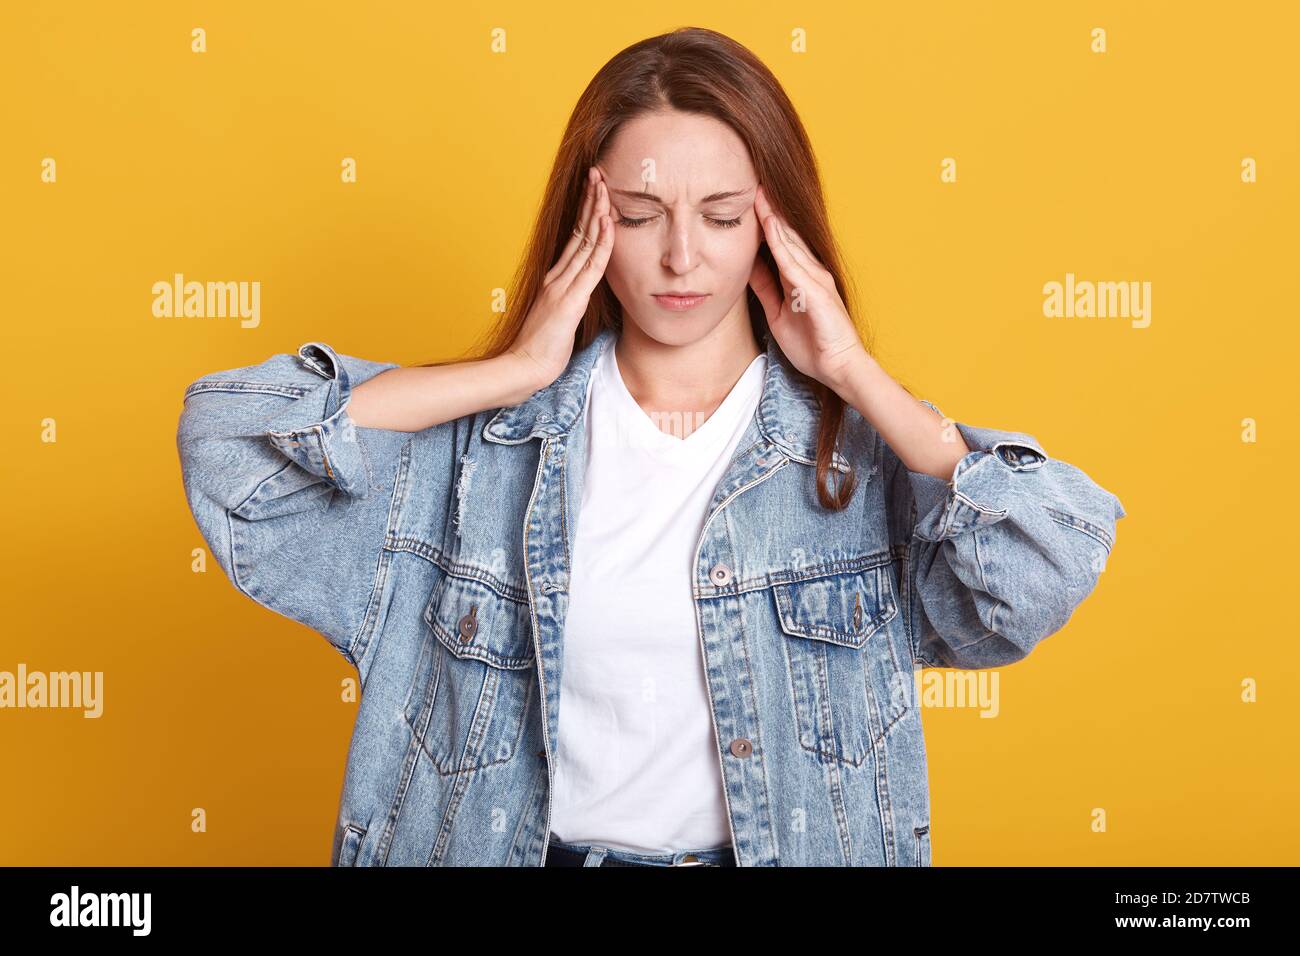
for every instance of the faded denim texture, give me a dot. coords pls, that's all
(437, 562)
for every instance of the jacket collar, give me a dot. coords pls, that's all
(787, 412)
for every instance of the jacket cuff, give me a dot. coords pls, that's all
(316, 432)
(982, 484)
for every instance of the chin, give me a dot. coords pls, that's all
(674, 330)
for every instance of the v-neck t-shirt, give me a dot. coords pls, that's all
(637, 764)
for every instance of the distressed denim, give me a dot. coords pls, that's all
(438, 564)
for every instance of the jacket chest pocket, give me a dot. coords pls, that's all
(847, 686)
(473, 690)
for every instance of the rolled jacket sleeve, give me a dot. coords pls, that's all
(1002, 553)
(290, 495)
(313, 429)
(323, 440)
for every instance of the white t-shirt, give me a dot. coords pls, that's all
(637, 764)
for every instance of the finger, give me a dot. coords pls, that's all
(814, 269)
(793, 274)
(590, 274)
(566, 255)
(780, 251)
(589, 241)
(591, 271)
(799, 248)
(795, 243)
(575, 237)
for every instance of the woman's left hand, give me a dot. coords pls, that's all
(809, 320)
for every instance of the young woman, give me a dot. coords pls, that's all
(646, 583)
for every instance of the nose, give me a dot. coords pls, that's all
(681, 256)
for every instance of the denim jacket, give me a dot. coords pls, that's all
(437, 563)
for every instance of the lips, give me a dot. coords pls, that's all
(680, 301)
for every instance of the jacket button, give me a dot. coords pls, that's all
(541, 753)
(741, 747)
(468, 624)
(720, 575)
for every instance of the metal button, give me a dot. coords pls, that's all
(468, 624)
(690, 858)
(857, 610)
(720, 575)
(741, 747)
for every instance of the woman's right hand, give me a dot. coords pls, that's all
(544, 345)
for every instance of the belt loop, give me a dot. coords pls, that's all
(595, 856)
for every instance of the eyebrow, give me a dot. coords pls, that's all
(651, 197)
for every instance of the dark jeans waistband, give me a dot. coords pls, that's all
(560, 853)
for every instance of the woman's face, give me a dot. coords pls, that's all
(681, 187)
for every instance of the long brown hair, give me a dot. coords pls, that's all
(700, 71)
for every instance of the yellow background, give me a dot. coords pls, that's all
(225, 166)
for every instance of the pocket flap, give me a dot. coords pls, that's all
(474, 620)
(843, 608)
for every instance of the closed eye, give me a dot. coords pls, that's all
(719, 223)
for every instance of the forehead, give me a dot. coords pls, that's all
(686, 156)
